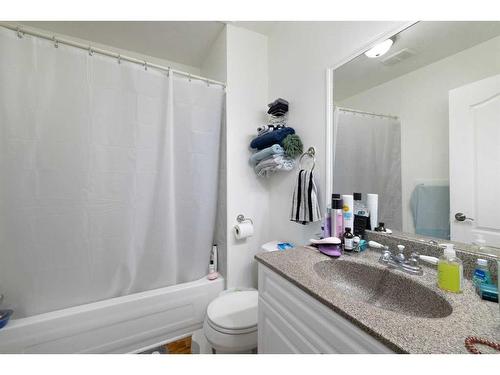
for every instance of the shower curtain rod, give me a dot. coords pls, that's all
(22, 31)
(366, 113)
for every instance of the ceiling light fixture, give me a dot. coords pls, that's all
(379, 49)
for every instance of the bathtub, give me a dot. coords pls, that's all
(127, 324)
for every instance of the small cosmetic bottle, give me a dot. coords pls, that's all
(348, 240)
(212, 267)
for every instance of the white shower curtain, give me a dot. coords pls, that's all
(368, 160)
(108, 176)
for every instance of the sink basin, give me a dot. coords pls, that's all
(383, 288)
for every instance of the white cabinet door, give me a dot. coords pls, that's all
(475, 161)
(277, 336)
(291, 321)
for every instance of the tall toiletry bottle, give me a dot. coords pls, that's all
(450, 270)
(361, 216)
(337, 216)
(360, 208)
(348, 214)
(372, 205)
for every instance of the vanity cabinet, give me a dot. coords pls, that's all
(291, 321)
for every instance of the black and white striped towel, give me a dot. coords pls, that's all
(305, 207)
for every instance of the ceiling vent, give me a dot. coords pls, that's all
(398, 56)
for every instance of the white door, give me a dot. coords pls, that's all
(475, 161)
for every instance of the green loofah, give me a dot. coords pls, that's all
(293, 146)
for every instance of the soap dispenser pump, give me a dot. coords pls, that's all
(450, 270)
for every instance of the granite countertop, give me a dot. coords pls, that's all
(471, 316)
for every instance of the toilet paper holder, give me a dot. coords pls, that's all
(241, 219)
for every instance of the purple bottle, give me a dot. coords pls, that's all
(337, 217)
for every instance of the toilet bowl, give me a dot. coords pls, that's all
(231, 322)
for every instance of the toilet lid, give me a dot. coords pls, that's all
(234, 310)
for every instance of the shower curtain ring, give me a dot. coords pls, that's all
(189, 77)
(168, 71)
(56, 42)
(119, 59)
(91, 51)
(208, 83)
(145, 65)
(19, 32)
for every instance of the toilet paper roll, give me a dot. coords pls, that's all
(243, 230)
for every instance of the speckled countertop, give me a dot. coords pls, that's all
(401, 332)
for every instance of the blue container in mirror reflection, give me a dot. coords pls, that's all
(4, 317)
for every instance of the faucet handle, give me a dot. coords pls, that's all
(414, 257)
(385, 257)
(400, 256)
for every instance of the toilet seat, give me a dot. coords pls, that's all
(231, 321)
(234, 312)
(231, 331)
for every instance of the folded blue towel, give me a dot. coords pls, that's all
(271, 138)
(262, 154)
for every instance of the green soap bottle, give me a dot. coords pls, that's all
(450, 270)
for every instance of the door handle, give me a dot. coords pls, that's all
(461, 217)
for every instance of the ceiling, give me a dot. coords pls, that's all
(261, 27)
(186, 42)
(430, 40)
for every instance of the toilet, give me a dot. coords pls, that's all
(231, 320)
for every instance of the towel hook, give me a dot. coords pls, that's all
(311, 153)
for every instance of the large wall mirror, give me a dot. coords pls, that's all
(416, 120)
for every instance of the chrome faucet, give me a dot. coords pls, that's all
(400, 262)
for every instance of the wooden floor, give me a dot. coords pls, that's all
(182, 346)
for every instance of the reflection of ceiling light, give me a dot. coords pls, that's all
(380, 49)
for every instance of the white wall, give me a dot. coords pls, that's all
(247, 92)
(420, 99)
(214, 65)
(299, 54)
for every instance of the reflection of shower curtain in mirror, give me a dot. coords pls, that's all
(368, 160)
